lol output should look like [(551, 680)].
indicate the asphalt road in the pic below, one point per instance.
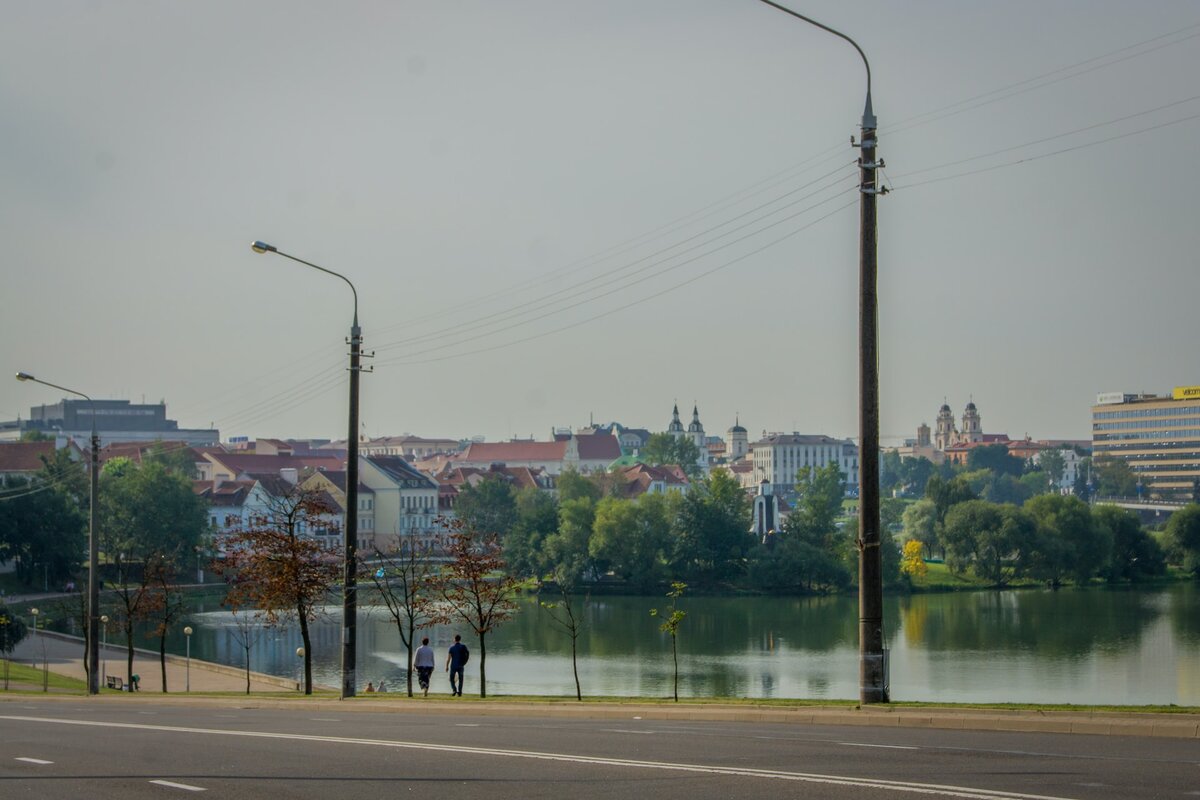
[(77, 749)]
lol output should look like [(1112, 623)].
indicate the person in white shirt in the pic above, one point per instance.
[(423, 661)]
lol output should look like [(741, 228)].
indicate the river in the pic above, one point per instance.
[(1122, 646)]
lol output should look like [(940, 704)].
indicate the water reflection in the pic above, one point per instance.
[(1071, 646)]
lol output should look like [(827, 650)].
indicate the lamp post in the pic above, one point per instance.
[(350, 559), (300, 669), (871, 667), (187, 686), (104, 650), (93, 601), (45, 675)]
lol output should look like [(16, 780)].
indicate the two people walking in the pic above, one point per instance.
[(456, 659)]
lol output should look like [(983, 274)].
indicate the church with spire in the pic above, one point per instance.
[(694, 432)]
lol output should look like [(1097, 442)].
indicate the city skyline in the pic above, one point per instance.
[(503, 187)]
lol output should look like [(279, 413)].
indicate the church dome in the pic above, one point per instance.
[(737, 429), (971, 406), (945, 408)]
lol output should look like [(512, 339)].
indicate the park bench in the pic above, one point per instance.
[(115, 682)]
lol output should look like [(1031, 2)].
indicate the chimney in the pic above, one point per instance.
[(289, 474)]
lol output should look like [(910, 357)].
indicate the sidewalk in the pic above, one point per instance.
[(64, 656)]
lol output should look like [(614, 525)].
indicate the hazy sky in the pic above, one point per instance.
[(553, 209)]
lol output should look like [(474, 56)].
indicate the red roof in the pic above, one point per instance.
[(240, 463), (24, 456), (498, 452), (599, 446)]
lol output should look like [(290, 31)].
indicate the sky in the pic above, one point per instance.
[(557, 211)]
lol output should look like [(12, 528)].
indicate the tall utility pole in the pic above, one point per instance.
[(350, 573), (350, 543), (872, 670)]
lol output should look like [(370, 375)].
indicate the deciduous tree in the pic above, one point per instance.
[(476, 588), (406, 582), (277, 570)]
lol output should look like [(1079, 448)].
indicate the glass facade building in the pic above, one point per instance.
[(1157, 435)]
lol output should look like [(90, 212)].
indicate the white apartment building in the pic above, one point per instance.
[(778, 457)]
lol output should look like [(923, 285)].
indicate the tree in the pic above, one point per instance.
[(475, 587), (1113, 477), (405, 581), (996, 458), (911, 562), (567, 550), (489, 506), (915, 474), (1070, 543), (819, 493), (663, 448), (1053, 464), (1134, 555), (565, 616), (247, 630), (891, 472), (631, 538), (1183, 537), (920, 523), (673, 617), (710, 525), (42, 530), (573, 486), (537, 519), (150, 519), (272, 567), (946, 494), (12, 632), (996, 541), (165, 608)]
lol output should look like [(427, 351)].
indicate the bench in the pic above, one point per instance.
[(115, 682)]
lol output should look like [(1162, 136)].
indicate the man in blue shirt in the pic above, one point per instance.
[(456, 659)]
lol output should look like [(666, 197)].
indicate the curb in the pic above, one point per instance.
[(1148, 725)]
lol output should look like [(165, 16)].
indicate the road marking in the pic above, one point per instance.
[(621, 730), (32, 760), (881, 746), (184, 786), (226, 716), (323, 719), (148, 713), (459, 750), (467, 724)]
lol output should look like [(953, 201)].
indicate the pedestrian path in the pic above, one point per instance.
[(63, 655)]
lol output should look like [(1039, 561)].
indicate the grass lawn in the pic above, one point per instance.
[(25, 677)]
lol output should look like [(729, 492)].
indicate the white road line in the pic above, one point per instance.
[(184, 786), (28, 760), (461, 750), (468, 724), (881, 746), (323, 719), (622, 730)]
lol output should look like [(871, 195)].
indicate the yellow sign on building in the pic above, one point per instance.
[(1186, 393)]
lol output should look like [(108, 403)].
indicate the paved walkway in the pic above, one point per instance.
[(64, 656)]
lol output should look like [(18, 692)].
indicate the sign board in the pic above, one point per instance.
[(379, 572), (1110, 398), (1186, 393)]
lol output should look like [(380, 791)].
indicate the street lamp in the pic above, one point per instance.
[(104, 656), (45, 673), (871, 667), (349, 575), (188, 670), (93, 601), (300, 669)]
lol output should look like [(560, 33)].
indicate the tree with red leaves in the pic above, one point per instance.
[(276, 570)]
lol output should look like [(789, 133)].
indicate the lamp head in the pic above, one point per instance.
[(25, 376), (34, 611), (187, 631), (300, 652), (262, 247), (104, 618)]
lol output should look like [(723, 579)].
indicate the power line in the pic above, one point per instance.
[(644, 299)]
